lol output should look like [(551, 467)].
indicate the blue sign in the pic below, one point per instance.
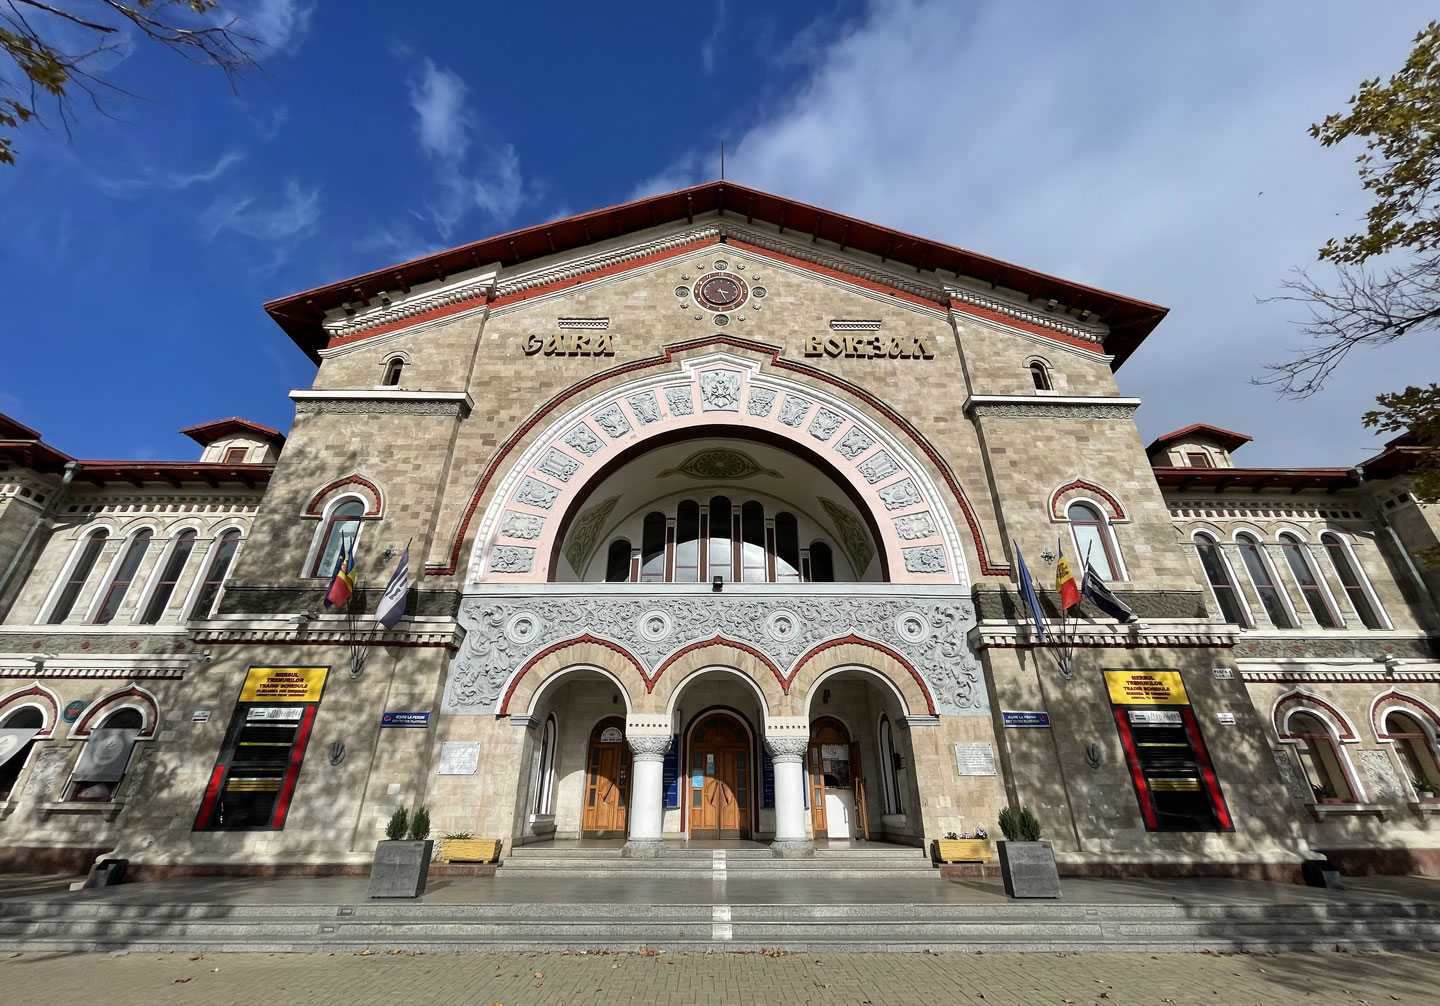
[(405, 719), (670, 774), (1025, 718), (698, 780)]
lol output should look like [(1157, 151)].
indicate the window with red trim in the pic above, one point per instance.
[(1170, 767)]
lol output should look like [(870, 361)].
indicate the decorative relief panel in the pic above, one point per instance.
[(1291, 780), (613, 422), (784, 627), (915, 525), (792, 413), (853, 534), (560, 466), (720, 391), (762, 400), (878, 468), (900, 495), (854, 444), (512, 559), (723, 464), (825, 423), (1384, 783), (924, 559), (645, 407), (535, 493), (583, 439), (585, 535), (679, 401), (521, 525)]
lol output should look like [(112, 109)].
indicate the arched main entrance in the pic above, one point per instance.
[(721, 780), (607, 781), (837, 787)]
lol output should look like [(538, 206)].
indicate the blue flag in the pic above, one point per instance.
[(1027, 591)]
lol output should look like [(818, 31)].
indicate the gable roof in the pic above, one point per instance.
[(206, 434), (302, 315), (1227, 439)]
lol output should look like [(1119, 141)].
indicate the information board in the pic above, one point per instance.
[(975, 759), (284, 684), (396, 719), (459, 757), (670, 773), (1025, 718)]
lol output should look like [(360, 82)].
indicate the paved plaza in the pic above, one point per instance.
[(700, 979)]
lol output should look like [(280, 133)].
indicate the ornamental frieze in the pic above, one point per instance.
[(502, 633)]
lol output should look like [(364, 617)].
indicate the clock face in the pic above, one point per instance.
[(720, 291)]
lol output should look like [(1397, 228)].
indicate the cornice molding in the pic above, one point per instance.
[(1102, 636), (355, 402), (471, 288), (1009, 308), (1049, 407)]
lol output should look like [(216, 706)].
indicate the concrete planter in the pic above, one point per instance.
[(961, 850), (400, 869), (1028, 869)]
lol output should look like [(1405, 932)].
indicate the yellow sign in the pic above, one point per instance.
[(1146, 688), (284, 684)]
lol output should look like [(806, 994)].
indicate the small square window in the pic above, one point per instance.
[(236, 455), (1199, 459)]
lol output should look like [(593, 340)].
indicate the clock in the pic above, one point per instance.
[(720, 291)]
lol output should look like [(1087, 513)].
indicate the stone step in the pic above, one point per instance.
[(685, 853)]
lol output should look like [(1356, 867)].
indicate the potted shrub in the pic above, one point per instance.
[(463, 847), (955, 848), (1424, 788), (1026, 863), (401, 865)]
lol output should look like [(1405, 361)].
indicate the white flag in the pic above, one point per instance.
[(392, 602)]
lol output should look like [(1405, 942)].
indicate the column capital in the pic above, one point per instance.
[(787, 749), (648, 747)]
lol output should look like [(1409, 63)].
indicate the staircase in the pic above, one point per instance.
[(877, 862)]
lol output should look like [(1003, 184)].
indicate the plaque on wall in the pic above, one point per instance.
[(975, 759), (459, 757)]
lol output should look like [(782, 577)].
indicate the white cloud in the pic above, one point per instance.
[(280, 25), (442, 121), (711, 46), (294, 216), (1117, 145), (151, 179)]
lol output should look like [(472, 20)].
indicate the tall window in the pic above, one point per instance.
[(687, 542), (1320, 757), (652, 548), (20, 727), (169, 576), (720, 538), (822, 563), (787, 549), (545, 771), (1352, 579), (1416, 751), (124, 576), (752, 533), (1297, 556), (1222, 582), (79, 573), (1092, 540), (889, 768), (392, 372), (617, 561), (221, 555), (341, 528), (1259, 569), (1039, 376), (105, 757)]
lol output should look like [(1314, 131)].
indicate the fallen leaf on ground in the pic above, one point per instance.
[(178, 981), (197, 957)]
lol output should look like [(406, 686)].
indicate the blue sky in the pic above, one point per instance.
[(1158, 150)]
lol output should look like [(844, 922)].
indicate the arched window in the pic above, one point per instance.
[(221, 555), (1352, 578), (752, 534), (687, 542), (1222, 581), (17, 740), (1297, 557), (392, 372), (341, 528), (124, 576), (1258, 566), (890, 768), (822, 563), (617, 561), (545, 772), (1320, 757), (175, 562), (652, 548), (787, 548), (106, 755), (1416, 749), (79, 573), (720, 538), (1092, 541), (1040, 376)]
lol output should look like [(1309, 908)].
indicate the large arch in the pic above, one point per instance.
[(894, 672), (520, 529)]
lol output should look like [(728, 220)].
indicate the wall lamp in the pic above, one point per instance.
[(717, 584)]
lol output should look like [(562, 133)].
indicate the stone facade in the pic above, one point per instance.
[(629, 466)]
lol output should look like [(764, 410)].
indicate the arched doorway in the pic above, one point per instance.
[(721, 781), (607, 781), (837, 789)]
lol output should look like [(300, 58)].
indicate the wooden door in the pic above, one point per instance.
[(720, 780), (862, 816), (607, 782), (828, 763)]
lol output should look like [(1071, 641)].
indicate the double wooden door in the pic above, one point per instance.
[(836, 786), (607, 782), (721, 780)]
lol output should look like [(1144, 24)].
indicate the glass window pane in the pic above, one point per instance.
[(720, 538), (1264, 585), (617, 562), (787, 548), (1350, 580), (1090, 546), (78, 575), (1217, 572), (1297, 557), (215, 574), (120, 584), (822, 563), (752, 530), (652, 548), (687, 542), (169, 576)]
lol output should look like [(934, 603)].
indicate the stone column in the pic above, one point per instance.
[(647, 794), (788, 756)]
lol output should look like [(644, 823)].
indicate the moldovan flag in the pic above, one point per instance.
[(342, 585), (392, 602), (1065, 583)]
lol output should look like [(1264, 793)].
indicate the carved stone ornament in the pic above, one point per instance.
[(720, 390), (645, 407), (521, 525), (1385, 785), (878, 468), (825, 423), (787, 749), (721, 465), (915, 525), (854, 535), (535, 493), (584, 440), (613, 422), (1053, 410), (648, 747), (560, 466), (900, 495), (924, 559), (512, 559), (854, 444), (679, 401), (792, 413), (488, 657), (762, 400), (1288, 776), (585, 534)]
